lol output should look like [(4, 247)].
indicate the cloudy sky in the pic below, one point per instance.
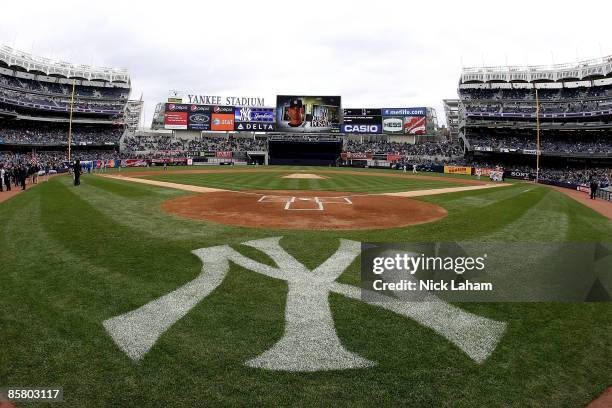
[(372, 53)]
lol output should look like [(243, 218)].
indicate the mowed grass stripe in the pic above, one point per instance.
[(274, 181)]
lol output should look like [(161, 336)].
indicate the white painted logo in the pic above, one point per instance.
[(310, 341)]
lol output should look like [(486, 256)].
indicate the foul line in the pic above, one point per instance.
[(434, 191), (177, 186)]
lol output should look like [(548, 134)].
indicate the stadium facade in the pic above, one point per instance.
[(39, 97), (502, 110)]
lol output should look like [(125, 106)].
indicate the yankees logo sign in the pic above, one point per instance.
[(310, 341)]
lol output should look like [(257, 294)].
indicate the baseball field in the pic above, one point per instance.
[(173, 288)]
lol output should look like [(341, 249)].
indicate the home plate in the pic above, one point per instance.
[(303, 176)]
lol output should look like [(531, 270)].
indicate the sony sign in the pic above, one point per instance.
[(227, 100)]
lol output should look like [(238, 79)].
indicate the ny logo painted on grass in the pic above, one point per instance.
[(310, 341)]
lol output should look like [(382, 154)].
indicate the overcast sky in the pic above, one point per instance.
[(373, 54)]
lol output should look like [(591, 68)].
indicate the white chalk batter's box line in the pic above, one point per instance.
[(318, 201)]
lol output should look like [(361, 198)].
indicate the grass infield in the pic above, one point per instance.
[(71, 258)]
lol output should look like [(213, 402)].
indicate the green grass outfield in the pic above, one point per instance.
[(71, 258)]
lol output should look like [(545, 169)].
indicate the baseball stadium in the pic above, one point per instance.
[(222, 254)]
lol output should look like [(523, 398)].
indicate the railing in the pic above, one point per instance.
[(604, 194)]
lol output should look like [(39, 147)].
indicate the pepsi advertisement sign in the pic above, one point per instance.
[(177, 107), (404, 111)]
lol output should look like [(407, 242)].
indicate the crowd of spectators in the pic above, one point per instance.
[(58, 103), (57, 133), (545, 94), (210, 144), (572, 175), (530, 108), (31, 85), (56, 96), (445, 149), (554, 144), (559, 101)]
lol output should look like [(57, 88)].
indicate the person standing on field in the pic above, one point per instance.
[(594, 185), (414, 168), (77, 173)]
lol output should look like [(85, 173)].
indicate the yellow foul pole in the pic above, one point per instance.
[(70, 120), (537, 135)]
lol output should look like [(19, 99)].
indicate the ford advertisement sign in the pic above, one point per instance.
[(198, 121)]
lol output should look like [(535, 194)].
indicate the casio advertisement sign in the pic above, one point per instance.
[(364, 128), (393, 125)]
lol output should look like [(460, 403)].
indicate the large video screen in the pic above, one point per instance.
[(308, 113)]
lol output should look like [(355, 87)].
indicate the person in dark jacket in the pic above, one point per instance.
[(77, 173), (23, 175), (594, 185), (7, 178)]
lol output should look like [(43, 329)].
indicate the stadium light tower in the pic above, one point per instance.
[(537, 136), (70, 120)]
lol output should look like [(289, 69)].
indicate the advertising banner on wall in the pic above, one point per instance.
[(224, 155), (404, 111), (404, 125), (355, 155), (199, 117), (175, 120), (254, 119), (308, 113), (404, 121), (222, 121), (457, 170), (364, 120)]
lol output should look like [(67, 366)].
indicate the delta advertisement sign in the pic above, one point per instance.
[(253, 119)]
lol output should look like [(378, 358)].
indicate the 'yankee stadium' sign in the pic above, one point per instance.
[(227, 100)]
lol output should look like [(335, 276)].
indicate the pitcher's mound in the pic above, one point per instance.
[(303, 176), (306, 210)]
